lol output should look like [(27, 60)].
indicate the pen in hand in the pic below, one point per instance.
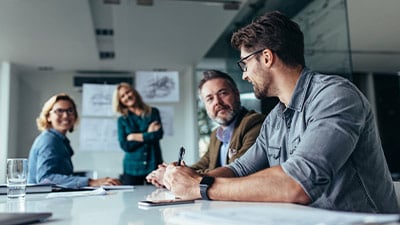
[(181, 154)]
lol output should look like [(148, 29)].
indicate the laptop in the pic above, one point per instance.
[(11, 218)]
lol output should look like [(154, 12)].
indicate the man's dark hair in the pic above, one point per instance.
[(276, 32), (214, 74)]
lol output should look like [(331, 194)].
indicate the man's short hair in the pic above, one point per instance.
[(274, 31), (214, 74)]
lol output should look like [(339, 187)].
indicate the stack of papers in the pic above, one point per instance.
[(88, 191), (114, 187), (278, 214), (58, 188), (98, 191)]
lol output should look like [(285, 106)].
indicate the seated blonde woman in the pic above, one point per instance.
[(50, 154)]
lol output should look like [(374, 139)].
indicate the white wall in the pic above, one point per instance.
[(36, 88)]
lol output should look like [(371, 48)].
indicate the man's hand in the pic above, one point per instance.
[(107, 181), (157, 176), (182, 181)]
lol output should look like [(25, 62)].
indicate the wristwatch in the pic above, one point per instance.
[(205, 183)]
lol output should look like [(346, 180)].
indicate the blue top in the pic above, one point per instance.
[(140, 157), (224, 135), (326, 140), (50, 161)]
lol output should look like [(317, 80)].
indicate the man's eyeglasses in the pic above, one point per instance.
[(242, 64), (60, 112)]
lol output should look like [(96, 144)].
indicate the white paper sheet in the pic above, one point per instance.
[(158, 86), (97, 99), (167, 119), (98, 134), (98, 191), (112, 187)]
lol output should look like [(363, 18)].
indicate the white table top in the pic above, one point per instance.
[(121, 207), (117, 207)]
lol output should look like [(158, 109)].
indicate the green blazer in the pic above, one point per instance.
[(245, 133)]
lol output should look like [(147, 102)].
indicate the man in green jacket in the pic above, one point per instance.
[(238, 128)]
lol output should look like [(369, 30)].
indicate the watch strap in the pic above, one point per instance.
[(205, 184)]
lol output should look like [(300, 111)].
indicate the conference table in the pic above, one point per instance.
[(116, 207), (121, 207)]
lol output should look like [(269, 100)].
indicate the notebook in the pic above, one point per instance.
[(30, 188), (10, 218)]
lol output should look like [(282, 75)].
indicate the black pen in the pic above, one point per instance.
[(181, 154)]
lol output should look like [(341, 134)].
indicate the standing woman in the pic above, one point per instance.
[(139, 134), (50, 154)]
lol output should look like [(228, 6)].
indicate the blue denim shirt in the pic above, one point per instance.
[(326, 140), (50, 161)]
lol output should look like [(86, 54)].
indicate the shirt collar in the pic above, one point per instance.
[(59, 134), (63, 138), (224, 134), (299, 94)]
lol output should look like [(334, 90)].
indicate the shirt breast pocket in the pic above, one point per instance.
[(274, 155), (294, 145)]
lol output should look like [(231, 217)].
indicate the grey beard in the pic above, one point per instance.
[(228, 120)]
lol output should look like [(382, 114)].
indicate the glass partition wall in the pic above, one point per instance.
[(327, 49)]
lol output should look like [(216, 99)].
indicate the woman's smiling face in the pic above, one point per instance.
[(62, 116)]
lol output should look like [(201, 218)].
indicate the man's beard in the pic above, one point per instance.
[(260, 93), (229, 118)]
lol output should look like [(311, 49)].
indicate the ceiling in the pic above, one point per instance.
[(61, 33), (374, 35), (170, 34)]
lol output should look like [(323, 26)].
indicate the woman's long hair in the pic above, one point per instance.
[(139, 103)]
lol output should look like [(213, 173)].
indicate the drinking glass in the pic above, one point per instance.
[(17, 173)]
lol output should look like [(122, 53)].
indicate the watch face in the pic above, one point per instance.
[(207, 181)]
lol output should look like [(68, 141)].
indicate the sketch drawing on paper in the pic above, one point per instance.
[(97, 99), (101, 99), (159, 86), (167, 119), (155, 86), (100, 134)]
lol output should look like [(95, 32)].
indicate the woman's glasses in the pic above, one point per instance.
[(60, 112)]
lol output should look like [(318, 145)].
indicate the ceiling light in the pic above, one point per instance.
[(45, 68), (116, 2), (231, 5), (104, 55), (144, 2), (228, 5)]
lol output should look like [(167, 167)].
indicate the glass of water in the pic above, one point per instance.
[(17, 174)]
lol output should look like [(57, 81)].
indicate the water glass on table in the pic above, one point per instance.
[(17, 174)]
